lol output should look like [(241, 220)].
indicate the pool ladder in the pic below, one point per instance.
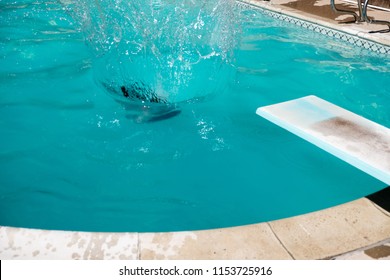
[(366, 19), (358, 18), (362, 16)]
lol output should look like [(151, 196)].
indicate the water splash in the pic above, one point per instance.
[(164, 51)]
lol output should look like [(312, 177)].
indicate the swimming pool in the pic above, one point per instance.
[(72, 159)]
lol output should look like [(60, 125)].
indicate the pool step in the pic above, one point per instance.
[(350, 137)]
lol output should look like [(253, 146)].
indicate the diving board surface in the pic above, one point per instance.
[(348, 136)]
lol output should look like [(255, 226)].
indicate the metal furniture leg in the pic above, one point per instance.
[(366, 19), (358, 18)]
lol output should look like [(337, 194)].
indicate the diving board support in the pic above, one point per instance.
[(346, 135)]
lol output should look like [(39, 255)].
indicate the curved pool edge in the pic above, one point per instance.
[(340, 232)]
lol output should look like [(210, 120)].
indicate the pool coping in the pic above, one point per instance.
[(341, 232), (355, 34)]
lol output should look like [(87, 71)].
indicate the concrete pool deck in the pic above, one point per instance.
[(320, 12), (356, 230)]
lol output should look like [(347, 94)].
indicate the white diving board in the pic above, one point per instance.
[(350, 137)]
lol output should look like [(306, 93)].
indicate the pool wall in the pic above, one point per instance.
[(346, 231)]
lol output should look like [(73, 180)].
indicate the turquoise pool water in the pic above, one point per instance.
[(71, 158)]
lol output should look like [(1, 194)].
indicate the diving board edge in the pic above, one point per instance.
[(280, 113)]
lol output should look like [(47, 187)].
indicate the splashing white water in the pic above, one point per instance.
[(177, 49)]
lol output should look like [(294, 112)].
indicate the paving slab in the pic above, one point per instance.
[(333, 231), (237, 243), (28, 244), (379, 251)]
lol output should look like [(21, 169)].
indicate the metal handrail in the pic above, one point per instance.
[(368, 20), (358, 18)]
